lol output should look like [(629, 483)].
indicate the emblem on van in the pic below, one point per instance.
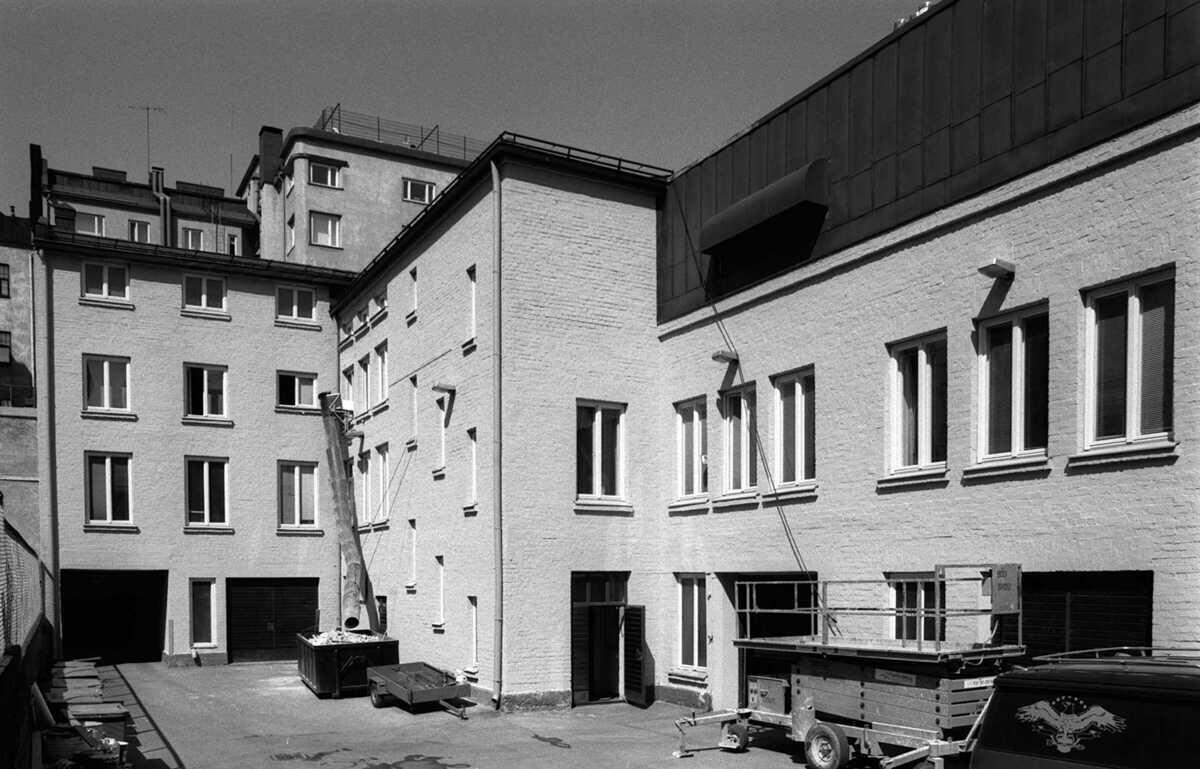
[(1068, 721)]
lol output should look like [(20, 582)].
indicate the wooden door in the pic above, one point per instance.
[(580, 669), (639, 677)]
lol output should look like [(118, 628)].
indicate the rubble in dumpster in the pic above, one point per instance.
[(330, 637)]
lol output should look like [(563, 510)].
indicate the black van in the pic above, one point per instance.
[(1131, 708)]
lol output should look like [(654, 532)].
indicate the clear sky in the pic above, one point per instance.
[(658, 81)]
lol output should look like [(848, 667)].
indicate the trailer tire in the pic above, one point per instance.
[(735, 736), (379, 699), (826, 747)]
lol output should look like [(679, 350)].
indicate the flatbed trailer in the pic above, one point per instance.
[(415, 683), (900, 702)]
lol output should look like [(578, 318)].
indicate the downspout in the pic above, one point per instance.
[(49, 430), (497, 445)]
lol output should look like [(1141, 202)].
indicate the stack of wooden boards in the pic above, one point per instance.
[(80, 727)]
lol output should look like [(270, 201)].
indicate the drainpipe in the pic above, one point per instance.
[(497, 445), (48, 448)]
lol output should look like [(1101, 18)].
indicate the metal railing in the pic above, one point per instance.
[(430, 139)]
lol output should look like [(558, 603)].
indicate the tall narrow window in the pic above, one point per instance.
[(383, 481), (471, 299), (5, 286), (139, 231), (1131, 355), (348, 389), (366, 510), (381, 373), (105, 383), (691, 421), (741, 432), (473, 605), (441, 578), (202, 612), (291, 230), (412, 276), (412, 553), (362, 382), (5, 347), (599, 450), (795, 428), (205, 386), (413, 397), (297, 494), (693, 622), (108, 488), (473, 456), (193, 238), (919, 391), (231, 244), (206, 491), (443, 424), (1014, 384)]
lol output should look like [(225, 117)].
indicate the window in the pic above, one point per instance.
[(296, 389), (206, 501), (139, 231), (108, 488), (5, 347), (413, 394), (107, 281), (362, 381), (599, 449), (691, 423), (360, 318), (5, 287), (205, 391), (289, 182), (412, 551), (795, 428), (916, 604), (193, 238), (412, 278), (471, 297), (297, 494), (324, 229), (693, 630), (1130, 361), (291, 230), (1014, 385), (441, 577), (202, 612), (443, 423), (231, 244), (324, 175), (473, 606), (201, 293), (89, 224), (741, 433), (105, 383), (473, 457), (295, 303), (366, 512), (348, 388), (383, 480), (418, 192), (381, 373), (919, 404)]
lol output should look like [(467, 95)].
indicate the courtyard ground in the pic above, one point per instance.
[(261, 715)]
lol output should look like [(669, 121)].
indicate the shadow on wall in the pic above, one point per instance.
[(16, 385)]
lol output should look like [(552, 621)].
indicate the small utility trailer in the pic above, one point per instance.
[(414, 683), (912, 691)]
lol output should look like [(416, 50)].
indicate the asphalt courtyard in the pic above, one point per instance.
[(261, 715)]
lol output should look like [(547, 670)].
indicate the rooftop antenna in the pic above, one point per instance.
[(147, 108)]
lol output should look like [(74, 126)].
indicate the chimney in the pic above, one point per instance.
[(156, 179), (270, 145), (164, 205)]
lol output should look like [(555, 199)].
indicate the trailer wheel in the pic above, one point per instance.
[(826, 747), (379, 699), (734, 736)]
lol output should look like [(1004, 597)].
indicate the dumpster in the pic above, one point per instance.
[(335, 664)]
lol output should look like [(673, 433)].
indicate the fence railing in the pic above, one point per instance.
[(432, 139)]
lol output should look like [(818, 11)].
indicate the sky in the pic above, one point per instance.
[(663, 82)]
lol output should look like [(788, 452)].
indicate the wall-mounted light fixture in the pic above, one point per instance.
[(725, 356), (999, 269)]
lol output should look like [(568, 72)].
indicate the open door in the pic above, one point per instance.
[(639, 675), (580, 669)]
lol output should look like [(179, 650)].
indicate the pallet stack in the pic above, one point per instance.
[(81, 728)]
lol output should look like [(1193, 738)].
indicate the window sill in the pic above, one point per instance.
[(439, 473), (411, 317), (345, 342), (114, 416), (470, 509), (1161, 450), (377, 317), (326, 245), (298, 323), (296, 531), (787, 492), (202, 529), (361, 331), (735, 500), (204, 646), (686, 675), (207, 421), (688, 506), (468, 346), (203, 314), (472, 670), (1006, 467), (371, 526), (903, 479), (603, 507), (438, 627), (311, 410), (378, 407), (112, 528), (112, 304), (410, 444)]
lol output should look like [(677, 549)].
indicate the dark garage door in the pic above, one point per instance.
[(264, 616), (119, 616), (1072, 610)]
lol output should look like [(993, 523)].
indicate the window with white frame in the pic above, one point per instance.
[(362, 383), (412, 282), (366, 493), (206, 498), (324, 229), (741, 437), (917, 605), (297, 494), (795, 427), (105, 383), (89, 224), (471, 299), (413, 397), (1130, 361), (139, 231), (205, 390), (412, 552), (473, 607), (202, 613), (382, 482), (473, 457), (691, 426), (443, 423), (295, 389), (203, 293), (416, 191), (291, 231), (324, 174), (106, 281), (295, 303), (693, 621), (1014, 384), (193, 238), (918, 392), (348, 390), (599, 450), (381, 373), (108, 488), (232, 242), (440, 561)]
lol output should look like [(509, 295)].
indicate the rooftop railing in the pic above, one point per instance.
[(424, 138)]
